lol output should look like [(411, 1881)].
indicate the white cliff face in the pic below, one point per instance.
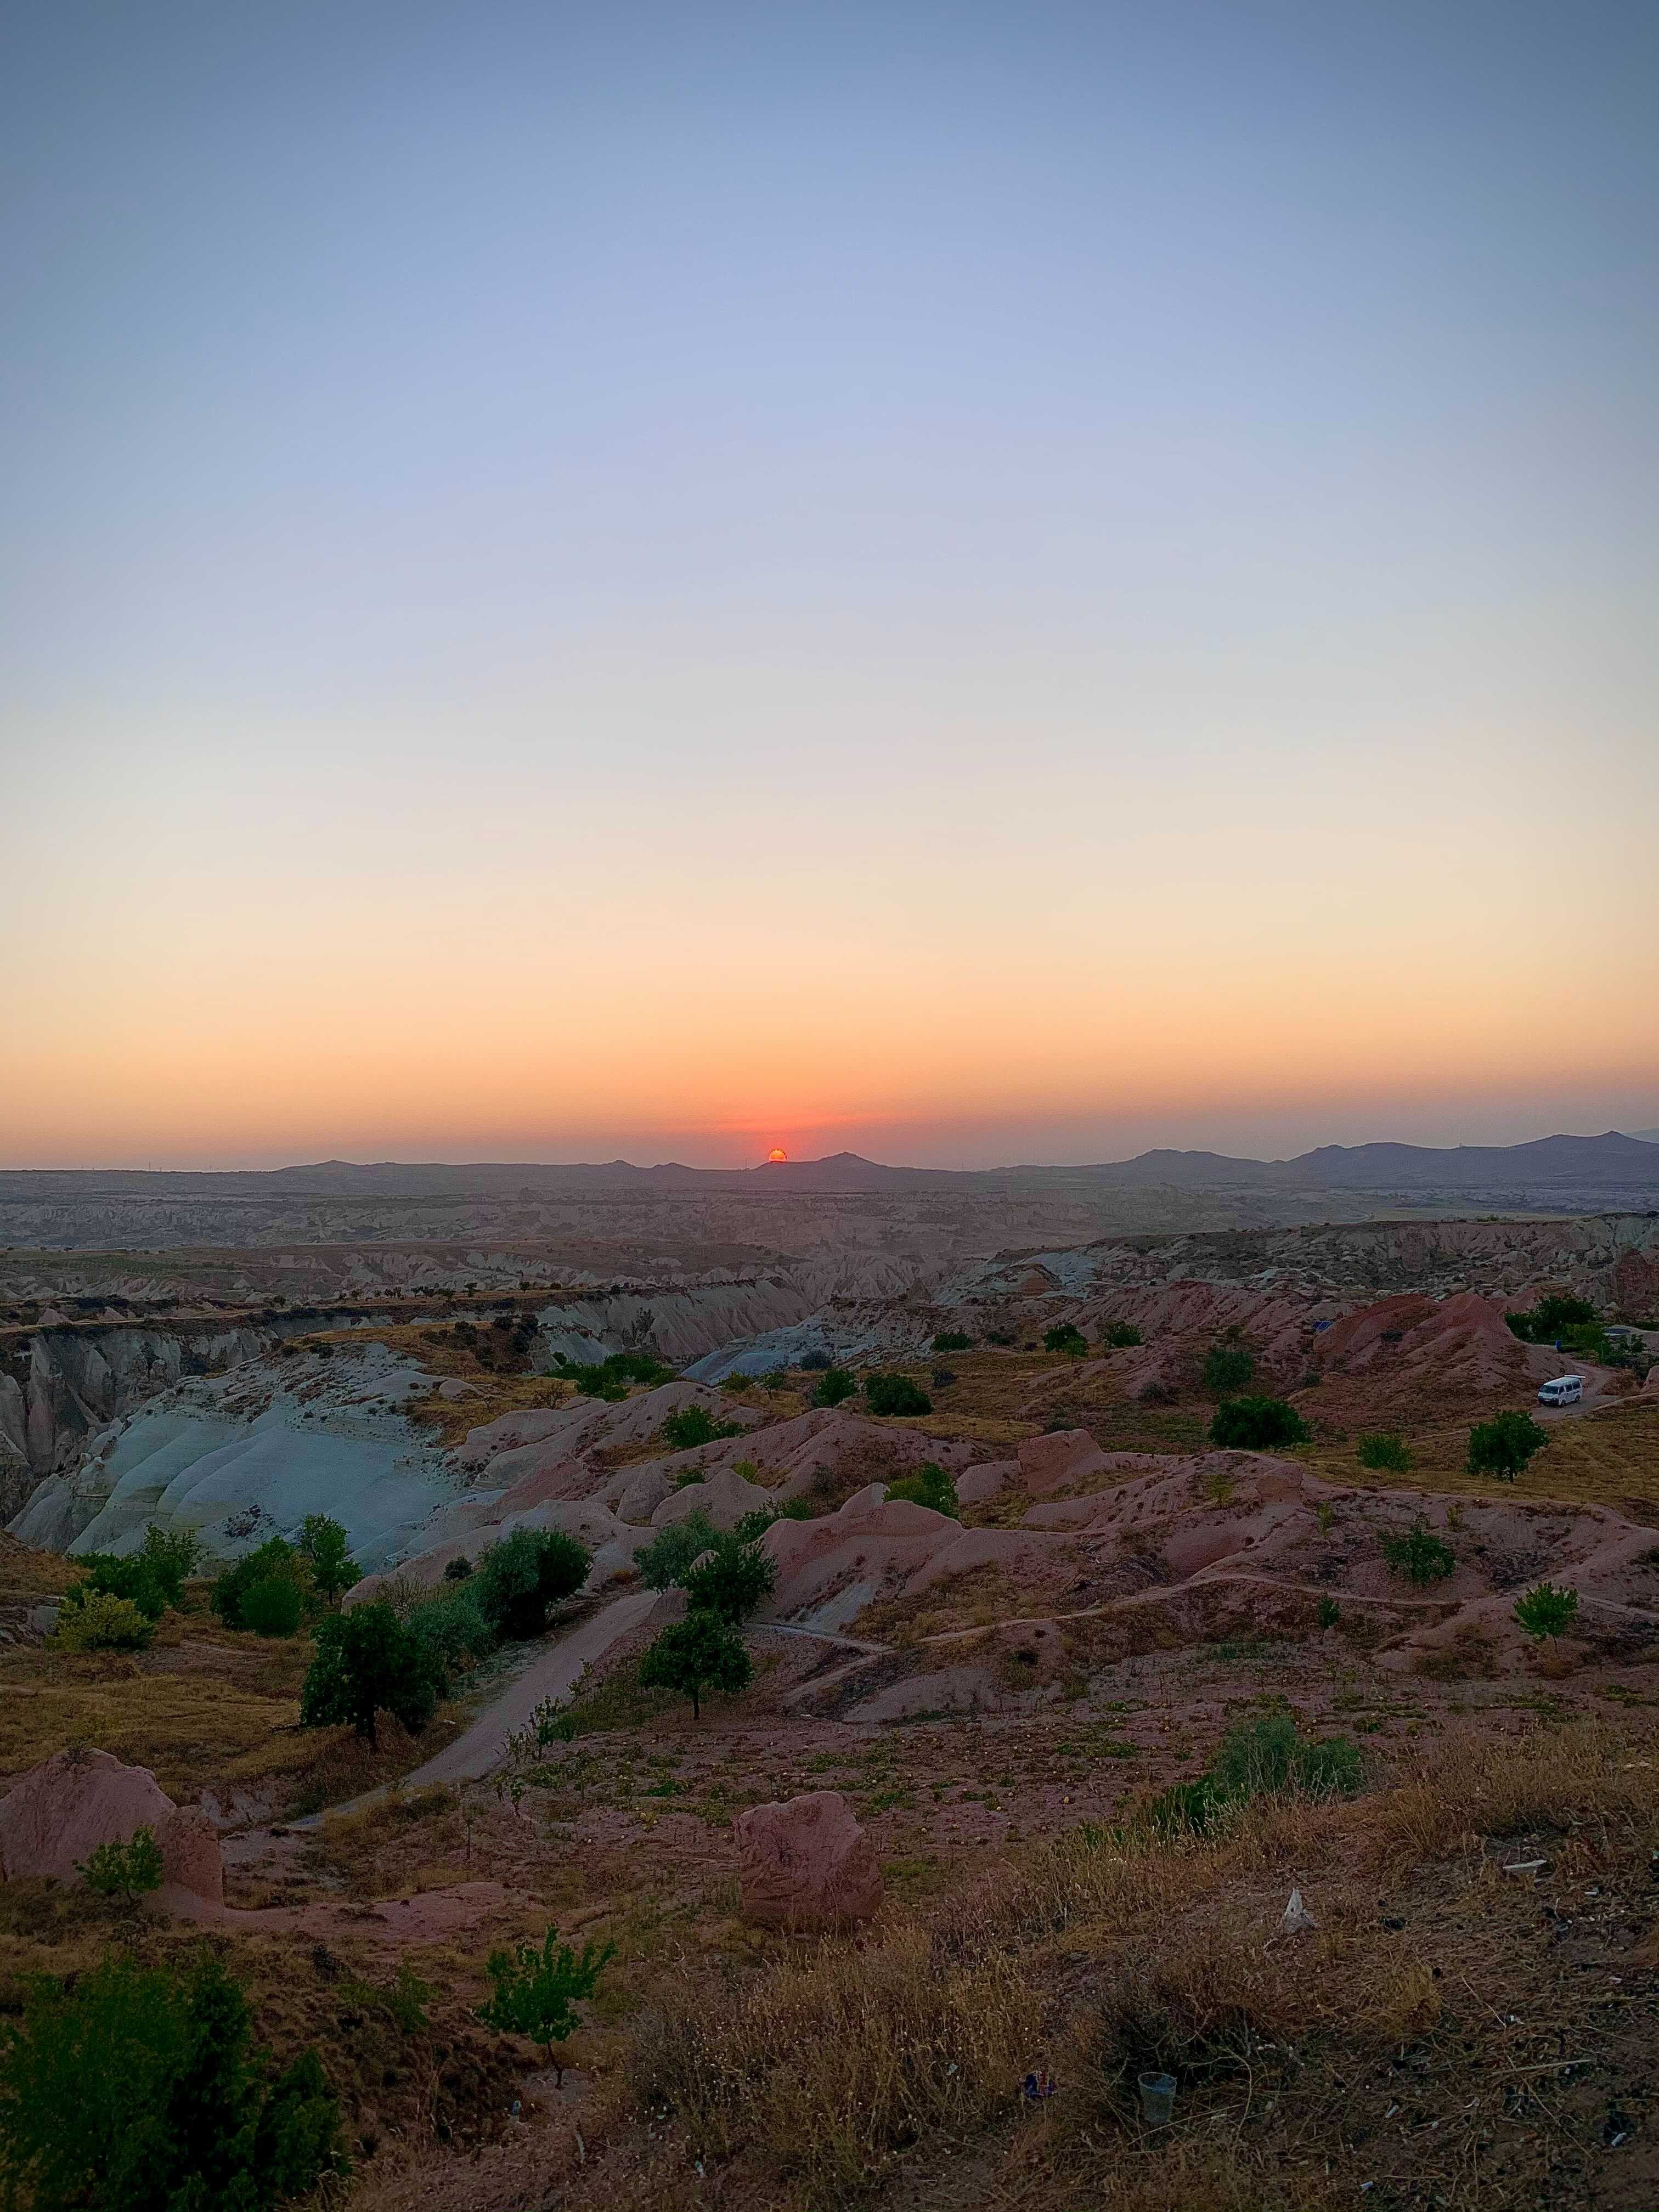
[(243, 1456)]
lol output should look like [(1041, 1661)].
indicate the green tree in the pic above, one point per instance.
[(1503, 1445), (519, 1578), (128, 1870), (1118, 1335), (174, 1555), (700, 1653), (834, 1386), (1547, 1609), (1066, 1336), (1256, 1425), (665, 1562), (90, 1619), (323, 1541), (1382, 1448), (131, 1576), (276, 1560), (1421, 1555), (1552, 1317), (929, 1485), (367, 1663), (1227, 1367), (536, 1992), (896, 1396), (952, 1340), (273, 1608), (449, 1629), (732, 1583), (140, 2090), (688, 1426)]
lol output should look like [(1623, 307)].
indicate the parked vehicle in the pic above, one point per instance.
[(1565, 1390)]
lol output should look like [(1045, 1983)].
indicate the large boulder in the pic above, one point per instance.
[(808, 1863), (53, 1820)]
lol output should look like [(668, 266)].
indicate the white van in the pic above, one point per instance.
[(1565, 1391)]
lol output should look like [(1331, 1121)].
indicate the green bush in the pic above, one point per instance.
[(1503, 1445), (1421, 1555), (952, 1340), (835, 1386), (609, 1378), (690, 1425), (131, 1577), (457, 1570), (140, 2090), (896, 1396), (536, 1991), (1256, 1425), (1382, 1448), (1265, 1757), (367, 1663), (1329, 1612), (272, 1608), (1550, 1318), (739, 1578), (1119, 1335), (1064, 1336), (450, 1631), (173, 1556), (273, 1561), (92, 1621), (1227, 1368), (1547, 1609), (929, 1485), (664, 1562), (322, 1543), (519, 1578), (128, 1870), (701, 1652)]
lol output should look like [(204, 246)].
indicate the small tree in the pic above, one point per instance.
[(323, 1541), (691, 1426), (519, 1578), (1421, 1555), (276, 1560), (835, 1386), (1118, 1335), (665, 1562), (128, 1870), (1227, 1368), (131, 1576), (700, 1653), (1384, 1449), (929, 1485), (732, 1583), (367, 1663), (1547, 1609), (92, 1621), (174, 1555), (1066, 1336), (273, 1608), (896, 1396), (536, 1992), (1256, 1425), (1503, 1445), (952, 1340)]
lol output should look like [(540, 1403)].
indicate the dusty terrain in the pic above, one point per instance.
[(999, 1697)]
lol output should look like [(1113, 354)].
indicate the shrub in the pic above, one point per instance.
[(173, 1556), (1547, 1609), (272, 1608), (1256, 1425), (1064, 1336), (536, 1991), (815, 1362), (519, 1578), (1384, 1449), (366, 1663), (896, 1395), (458, 1570), (739, 1578), (323, 1542), (943, 1377), (450, 1631), (1503, 1445), (663, 1563), (699, 1653), (834, 1386), (1329, 1612), (929, 1485), (140, 2089), (1227, 1368), (129, 1870), (1118, 1335), (1552, 1317), (132, 1577), (1420, 1555), (609, 1378), (952, 1340), (737, 1383), (1262, 1758), (93, 1621), (273, 1561), (689, 1425), (775, 1378)]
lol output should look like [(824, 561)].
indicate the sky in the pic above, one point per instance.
[(975, 582)]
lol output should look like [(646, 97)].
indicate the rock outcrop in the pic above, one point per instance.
[(53, 1820), (808, 1863)]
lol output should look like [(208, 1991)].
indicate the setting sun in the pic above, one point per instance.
[(775, 1156)]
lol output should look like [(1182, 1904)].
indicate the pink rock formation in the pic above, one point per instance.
[(57, 1816), (1049, 1463), (808, 1863)]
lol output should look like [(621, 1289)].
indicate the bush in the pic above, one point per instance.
[(1118, 1335), (665, 1562), (929, 1485), (737, 1383), (173, 1556), (699, 1653), (1503, 1445), (272, 1608), (835, 1385), (1385, 1449), (739, 1578), (896, 1395), (609, 1378), (1546, 1609), (536, 1991), (132, 1577), (273, 1561), (450, 1633), (1420, 1555), (1261, 1758), (140, 2090), (1064, 1336), (1227, 1368), (1256, 1425), (815, 1362), (322, 1543), (92, 1621), (367, 1663), (458, 1570), (952, 1340), (519, 1578), (690, 1425), (129, 1870), (1552, 1317)]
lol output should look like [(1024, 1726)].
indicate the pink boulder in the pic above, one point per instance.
[(57, 1816), (808, 1863), (1049, 1463)]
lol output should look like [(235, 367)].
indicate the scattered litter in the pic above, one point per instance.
[(1158, 2092), (1036, 2085), (1526, 1866), (1296, 1916)]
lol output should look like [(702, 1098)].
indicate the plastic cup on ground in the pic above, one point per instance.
[(1158, 2098)]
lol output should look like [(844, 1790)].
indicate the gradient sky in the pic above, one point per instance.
[(974, 581)]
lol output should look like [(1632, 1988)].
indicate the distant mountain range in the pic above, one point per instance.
[(1561, 1166)]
